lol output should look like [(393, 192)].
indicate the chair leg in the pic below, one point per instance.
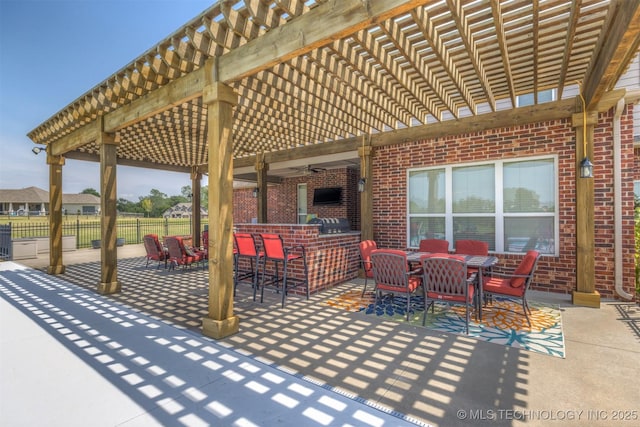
[(524, 308), (467, 317), (255, 277), (365, 285), (408, 305), (306, 275), (284, 281)]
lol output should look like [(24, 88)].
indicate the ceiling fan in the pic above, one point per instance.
[(309, 169)]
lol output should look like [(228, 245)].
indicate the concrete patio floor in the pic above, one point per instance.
[(362, 363)]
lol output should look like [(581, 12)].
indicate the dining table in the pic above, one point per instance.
[(481, 262)]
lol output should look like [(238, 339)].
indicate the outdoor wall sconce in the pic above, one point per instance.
[(361, 184), (255, 192), (37, 150), (586, 167)]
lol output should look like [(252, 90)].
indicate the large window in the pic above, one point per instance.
[(511, 205)]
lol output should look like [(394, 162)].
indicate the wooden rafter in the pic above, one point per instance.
[(432, 36), (466, 37), (502, 43)]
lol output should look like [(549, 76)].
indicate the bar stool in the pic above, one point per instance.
[(274, 250), (246, 249)]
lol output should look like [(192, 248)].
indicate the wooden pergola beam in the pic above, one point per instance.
[(316, 28), (523, 115), (619, 42)]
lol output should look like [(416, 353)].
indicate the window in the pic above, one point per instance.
[(511, 204), (543, 96)]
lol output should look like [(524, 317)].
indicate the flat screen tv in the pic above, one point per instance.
[(327, 196)]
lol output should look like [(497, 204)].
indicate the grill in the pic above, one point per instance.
[(332, 225)]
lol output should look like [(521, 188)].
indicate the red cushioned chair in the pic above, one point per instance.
[(439, 246), (154, 250), (514, 284), (247, 250), (180, 254), (391, 274), (446, 279), (472, 247), (366, 246), (275, 251)]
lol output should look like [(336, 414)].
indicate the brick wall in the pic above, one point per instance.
[(555, 274), (282, 199)]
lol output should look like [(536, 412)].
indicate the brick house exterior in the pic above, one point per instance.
[(390, 164)]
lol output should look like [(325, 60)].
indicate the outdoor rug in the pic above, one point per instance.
[(502, 320)]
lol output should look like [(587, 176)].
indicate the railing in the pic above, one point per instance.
[(86, 231)]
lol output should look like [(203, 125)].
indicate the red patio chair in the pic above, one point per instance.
[(391, 274), (154, 250), (274, 250), (472, 247), (439, 246), (446, 279), (366, 246), (180, 254), (514, 284)]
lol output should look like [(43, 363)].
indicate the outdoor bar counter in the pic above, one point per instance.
[(332, 258)]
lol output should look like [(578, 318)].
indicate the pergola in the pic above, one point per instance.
[(249, 83)]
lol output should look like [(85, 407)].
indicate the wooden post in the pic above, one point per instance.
[(220, 100), (585, 293), (195, 206), (55, 214), (261, 171), (366, 197), (109, 283)]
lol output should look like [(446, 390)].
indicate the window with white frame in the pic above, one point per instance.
[(510, 204), (543, 96)]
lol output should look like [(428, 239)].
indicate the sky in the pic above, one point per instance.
[(51, 53)]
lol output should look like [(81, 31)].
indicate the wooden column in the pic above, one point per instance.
[(261, 172), (55, 214), (366, 197), (585, 293), (109, 283), (196, 178), (220, 100)]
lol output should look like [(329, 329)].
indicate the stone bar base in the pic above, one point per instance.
[(218, 329), (109, 288), (56, 269), (586, 299)]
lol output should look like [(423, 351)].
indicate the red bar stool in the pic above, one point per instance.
[(274, 250), (245, 248)]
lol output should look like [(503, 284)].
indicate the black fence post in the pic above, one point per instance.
[(77, 234), (137, 230)]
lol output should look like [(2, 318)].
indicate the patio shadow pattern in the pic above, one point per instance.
[(426, 375)]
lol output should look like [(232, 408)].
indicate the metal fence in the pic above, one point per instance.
[(5, 242), (88, 232)]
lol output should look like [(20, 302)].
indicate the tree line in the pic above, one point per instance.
[(156, 202)]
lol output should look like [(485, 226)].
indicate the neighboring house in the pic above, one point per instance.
[(35, 201), (182, 210)]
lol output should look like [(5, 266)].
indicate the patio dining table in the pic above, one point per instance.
[(481, 262)]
